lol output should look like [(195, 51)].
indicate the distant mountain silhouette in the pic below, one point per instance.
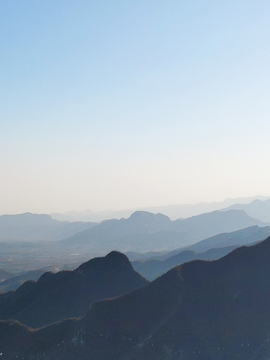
[(144, 231), (4, 275), (216, 310), (208, 249), (216, 222), (173, 211), (15, 281), (151, 269), (37, 227), (258, 209), (70, 293), (245, 236), (141, 231)]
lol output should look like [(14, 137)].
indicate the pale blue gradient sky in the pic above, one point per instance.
[(125, 104)]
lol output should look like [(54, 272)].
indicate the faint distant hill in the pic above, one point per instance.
[(208, 249), (141, 231), (88, 215), (151, 269), (37, 227), (144, 231), (189, 210), (173, 211), (258, 209), (199, 310), (13, 282), (70, 293), (216, 222), (245, 236), (4, 275)]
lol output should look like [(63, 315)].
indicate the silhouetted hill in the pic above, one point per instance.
[(216, 310), (37, 227), (144, 231), (70, 293)]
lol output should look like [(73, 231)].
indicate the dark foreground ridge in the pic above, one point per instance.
[(217, 310), (67, 294)]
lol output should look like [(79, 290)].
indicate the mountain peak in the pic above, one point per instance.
[(70, 293), (114, 260), (117, 259), (147, 215), (116, 256)]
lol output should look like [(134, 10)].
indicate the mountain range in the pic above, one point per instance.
[(258, 209), (151, 269), (173, 211), (212, 248), (199, 310), (15, 281), (21, 248), (144, 231), (33, 227), (56, 296)]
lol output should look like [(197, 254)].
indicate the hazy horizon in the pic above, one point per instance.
[(227, 202), (112, 105)]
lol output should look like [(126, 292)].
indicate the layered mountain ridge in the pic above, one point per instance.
[(32, 227), (146, 231), (212, 248), (201, 309), (57, 296)]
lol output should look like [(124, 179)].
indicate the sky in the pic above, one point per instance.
[(129, 104)]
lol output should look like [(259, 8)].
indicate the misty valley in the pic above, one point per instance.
[(141, 287)]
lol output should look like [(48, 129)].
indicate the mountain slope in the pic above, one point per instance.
[(144, 231), (258, 209), (216, 222), (201, 310), (245, 236), (70, 293), (29, 226), (208, 249), (13, 282), (4, 275), (151, 269)]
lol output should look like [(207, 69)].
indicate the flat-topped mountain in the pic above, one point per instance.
[(30, 227), (70, 293), (199, 310), (144, 231)]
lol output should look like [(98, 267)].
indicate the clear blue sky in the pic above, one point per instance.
[(124, 104)]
